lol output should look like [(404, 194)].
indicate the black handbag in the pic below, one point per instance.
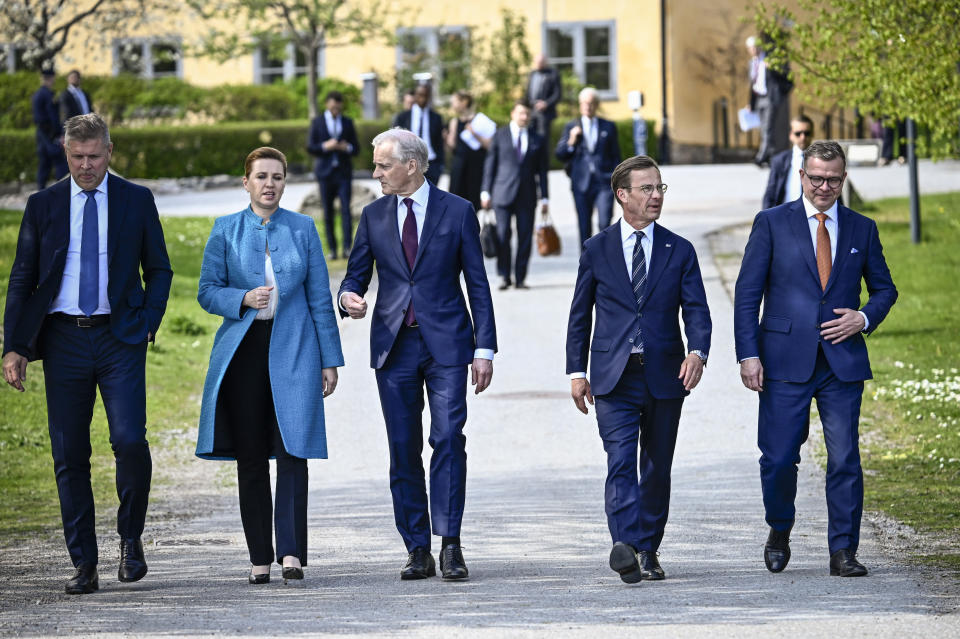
[(489, 241)]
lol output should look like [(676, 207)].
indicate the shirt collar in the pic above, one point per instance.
[(811, 210), (626, 231), (515, 129), (421, 196), (75, 188)]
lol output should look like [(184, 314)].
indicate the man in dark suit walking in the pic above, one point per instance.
[(544, 90), (637, 277), (73, 99), (76, 301), (421, 241), (333, 141), (783, 183), (804, 262), (768, 91), (590, 147), (515, 169), (427, 125), (49, 135)]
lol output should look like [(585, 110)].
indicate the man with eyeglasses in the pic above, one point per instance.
[(637, 277), (783, 184), (805, 261)]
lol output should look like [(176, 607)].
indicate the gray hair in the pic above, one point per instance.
[(406, 146), (588, 93), (85, 127), (825, 150)]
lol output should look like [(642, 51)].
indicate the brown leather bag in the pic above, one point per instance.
[(548, 242)]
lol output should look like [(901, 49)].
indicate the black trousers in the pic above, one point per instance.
[(524, 215), (332, 188), (256, 437)]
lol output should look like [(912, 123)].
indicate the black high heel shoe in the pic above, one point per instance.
[(262, 578), (292, 572)]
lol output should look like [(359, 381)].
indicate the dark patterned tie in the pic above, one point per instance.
[(519, 146), (89, 296), (410, 245), (639, 279)]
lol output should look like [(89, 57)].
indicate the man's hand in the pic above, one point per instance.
[(331, 144), (751, 373), (355, 305), (540, 105), (257, 298), (15, 369), (545, 209), (580, 390), (691, 370), (849, 323), (575, 134), (481, 373), (329, 377), (484, 203)]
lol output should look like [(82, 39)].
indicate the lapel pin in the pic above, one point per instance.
[(668, 245), (853, 250)]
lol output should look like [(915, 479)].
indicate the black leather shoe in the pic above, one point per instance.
[(649, 566), (623, 559), (292, 572), (843, 563), (452, 565), (420, 565), (257, 579), (521, 286), (504, 285), (776, 552), (84, 581), (132, 564)]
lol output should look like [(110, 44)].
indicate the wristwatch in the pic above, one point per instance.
[(701, 355)]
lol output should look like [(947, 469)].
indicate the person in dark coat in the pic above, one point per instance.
[(49, 135), (544, 90), (73, 99), (466, 163), (783, 183)]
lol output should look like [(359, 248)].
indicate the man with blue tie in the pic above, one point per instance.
[(804, 262), (421, 240), (514, 171), (76, 301), (591, 149), (333, 141), (640, 370), (427, 125)]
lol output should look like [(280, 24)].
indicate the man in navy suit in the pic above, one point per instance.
[(428, 126), (783, 184), (49, 135), (515, 169), (73, 99), (333, 141), (637, 277), (805, 261), (76, 301), (421, 241), (590, 147)]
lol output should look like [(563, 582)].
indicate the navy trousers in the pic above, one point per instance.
[(256, 437), (784, 423), (597, 194), (637, 430), (524, 216), (76, 361), (330, 189), (400, 381)]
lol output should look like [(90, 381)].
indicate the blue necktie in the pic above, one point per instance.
[(639, 278), (89, 298)]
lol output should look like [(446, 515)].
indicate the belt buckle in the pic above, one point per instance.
[(84, 322)]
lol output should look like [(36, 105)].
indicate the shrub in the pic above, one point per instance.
[(248, 102)]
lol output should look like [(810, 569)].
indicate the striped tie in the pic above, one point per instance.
[(639, 279)]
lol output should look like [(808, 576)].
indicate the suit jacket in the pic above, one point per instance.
[(515, 183), (778, 86), (45, 116), (134, 241), (70, 106), (402, 120), (604, 159), (674, 287), (323, 166), (449, 245), (779, 268), (550, 91), (305, 338), (777, 181)]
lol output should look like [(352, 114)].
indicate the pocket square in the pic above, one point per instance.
[(668, 245), (853, 250)]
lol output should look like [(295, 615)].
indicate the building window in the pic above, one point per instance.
[(585, 49), (13, 58), (268, 67), (148, 58), (444, 52)]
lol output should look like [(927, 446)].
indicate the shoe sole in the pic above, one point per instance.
[(83, 591), (414, 576), (128, 580), (854, 573), (624, 561)]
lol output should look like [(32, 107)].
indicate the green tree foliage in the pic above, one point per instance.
[(501, 65), (896, 58)]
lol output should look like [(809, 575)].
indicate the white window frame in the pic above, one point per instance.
[(290, 68), (10, 52), (580, 58), (146, 55)]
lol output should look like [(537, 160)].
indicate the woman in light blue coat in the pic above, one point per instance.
[(274, 359)]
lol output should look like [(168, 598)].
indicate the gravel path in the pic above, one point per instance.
[(534, 534)]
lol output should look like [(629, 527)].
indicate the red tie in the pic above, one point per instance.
[(410, 244)]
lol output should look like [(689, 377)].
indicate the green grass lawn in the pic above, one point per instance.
[(176, 364)]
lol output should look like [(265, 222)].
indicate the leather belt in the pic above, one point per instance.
[(82, 321), (636, 359)]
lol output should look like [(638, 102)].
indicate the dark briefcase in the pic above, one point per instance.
[(489, 241)]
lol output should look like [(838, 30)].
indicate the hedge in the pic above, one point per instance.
[(187, 151)]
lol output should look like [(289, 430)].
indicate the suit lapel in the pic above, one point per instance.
[(844, 242), (797, 217), (60, 217), (663, 243), (392, 229), (117, 195), (613, 252), (435, 209)]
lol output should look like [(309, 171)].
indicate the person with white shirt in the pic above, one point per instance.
[(783, 183), (74, 100), (513, 173), (804, 263), (421, 240), (636, 279)]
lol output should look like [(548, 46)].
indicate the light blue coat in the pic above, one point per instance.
[(304, 339)]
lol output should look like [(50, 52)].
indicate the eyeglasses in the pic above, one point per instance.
[(818, 180), (647, 188), (802, 133)]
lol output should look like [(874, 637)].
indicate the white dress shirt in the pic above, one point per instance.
[(68, 299), (793, 188), (590, 133), (335, 127), (269, 279), (421, 117)]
